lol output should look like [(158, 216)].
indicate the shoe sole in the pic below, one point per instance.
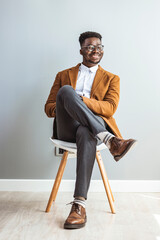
[(131, 145), (74, 226)]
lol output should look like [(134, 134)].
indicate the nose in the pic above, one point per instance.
[(95, 50)]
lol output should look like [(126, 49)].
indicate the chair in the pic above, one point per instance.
[(71, 148)]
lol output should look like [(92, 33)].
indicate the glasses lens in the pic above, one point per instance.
[(100, 47), (90, 48)]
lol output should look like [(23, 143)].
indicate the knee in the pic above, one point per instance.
[(64, 91)]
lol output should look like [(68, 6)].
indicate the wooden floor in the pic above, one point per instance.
[(23, 217)]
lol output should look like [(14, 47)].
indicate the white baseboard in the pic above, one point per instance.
[(32, 185)]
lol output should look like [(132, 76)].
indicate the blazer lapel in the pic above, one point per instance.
[(73, 75), (97, 79)]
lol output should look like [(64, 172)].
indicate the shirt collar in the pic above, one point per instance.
[(91, 69)]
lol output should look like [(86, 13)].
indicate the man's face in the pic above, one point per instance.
[(91, 58)]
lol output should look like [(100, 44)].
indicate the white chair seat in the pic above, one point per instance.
[(72, 147)]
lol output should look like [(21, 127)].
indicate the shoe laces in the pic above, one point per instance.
[(75, 207), (70, 203), (116, 142)]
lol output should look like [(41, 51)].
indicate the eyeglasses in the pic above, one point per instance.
[(91, 48)]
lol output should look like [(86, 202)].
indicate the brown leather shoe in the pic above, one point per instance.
[(77, 217), (119, 147)]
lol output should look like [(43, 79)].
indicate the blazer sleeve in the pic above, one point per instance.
[(50, 105), (108, 106)]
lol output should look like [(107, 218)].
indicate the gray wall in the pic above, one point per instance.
[(40, 38)]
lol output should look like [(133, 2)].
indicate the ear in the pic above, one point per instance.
[(81, 51)]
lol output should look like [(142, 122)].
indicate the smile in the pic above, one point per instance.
[(95, 56)]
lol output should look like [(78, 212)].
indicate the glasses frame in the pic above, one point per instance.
[(95, 47)]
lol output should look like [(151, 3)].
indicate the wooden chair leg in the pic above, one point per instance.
[(57, 181), (101, 162), (105, 181)]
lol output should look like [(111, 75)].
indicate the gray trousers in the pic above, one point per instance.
[(77, 123)]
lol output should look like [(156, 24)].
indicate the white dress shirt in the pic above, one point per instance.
[(85, 80)]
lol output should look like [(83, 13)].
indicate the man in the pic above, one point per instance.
[(83, 100)]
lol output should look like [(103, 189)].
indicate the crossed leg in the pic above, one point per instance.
[(77, 123)]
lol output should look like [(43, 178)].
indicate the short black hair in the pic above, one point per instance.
[(88, 34)]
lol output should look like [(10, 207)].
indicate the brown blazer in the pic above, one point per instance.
[(104, 96)]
